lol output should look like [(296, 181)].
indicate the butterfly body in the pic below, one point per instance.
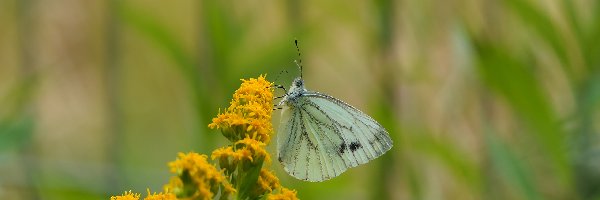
[(320, 136)]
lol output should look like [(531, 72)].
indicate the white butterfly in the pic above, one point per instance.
[(320, 137)]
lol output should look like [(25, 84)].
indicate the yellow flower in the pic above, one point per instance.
[(160, 196), (249, 113), (246, 151), (256, 149), (285, 194), (193, 169), (128, 195), (267, 182), (175, 186)]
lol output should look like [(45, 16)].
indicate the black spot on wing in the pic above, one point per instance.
[(342, 148), (355, 146)]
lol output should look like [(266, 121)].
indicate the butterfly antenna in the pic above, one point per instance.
[(299, 61)]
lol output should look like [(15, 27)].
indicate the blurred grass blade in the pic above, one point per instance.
[(453, 158), (589, 96), (592, 41), (543, 26), (17, 121), (221, 34), (509, 167), (159, 34), (586, 151), (16, 132), (515, 81), (144, 23)]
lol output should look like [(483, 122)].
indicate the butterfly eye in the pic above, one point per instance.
[(298, 82)]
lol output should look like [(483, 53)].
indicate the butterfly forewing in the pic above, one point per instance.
[(301, 151), (320, 137)]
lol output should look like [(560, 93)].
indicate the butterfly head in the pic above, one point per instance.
[(295, 91), (297, 85)]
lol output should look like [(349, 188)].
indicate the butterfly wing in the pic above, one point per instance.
[(320, 137)]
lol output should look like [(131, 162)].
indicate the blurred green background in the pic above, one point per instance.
[(483, 99)]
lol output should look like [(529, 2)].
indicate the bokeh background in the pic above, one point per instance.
[(483, 99)]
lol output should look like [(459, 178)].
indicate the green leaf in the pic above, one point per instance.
[(248, 177)]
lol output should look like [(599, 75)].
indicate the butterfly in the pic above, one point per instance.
[(320, 137)]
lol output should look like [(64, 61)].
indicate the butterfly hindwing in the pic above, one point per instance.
[(324, 136)]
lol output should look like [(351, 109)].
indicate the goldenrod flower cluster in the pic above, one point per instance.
[(267, 182), (242, 174), (196, 178), (249, 113), (247, 123)]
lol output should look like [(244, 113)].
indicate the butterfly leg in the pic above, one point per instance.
[(280, 87), (277, 108), (279, 97)]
